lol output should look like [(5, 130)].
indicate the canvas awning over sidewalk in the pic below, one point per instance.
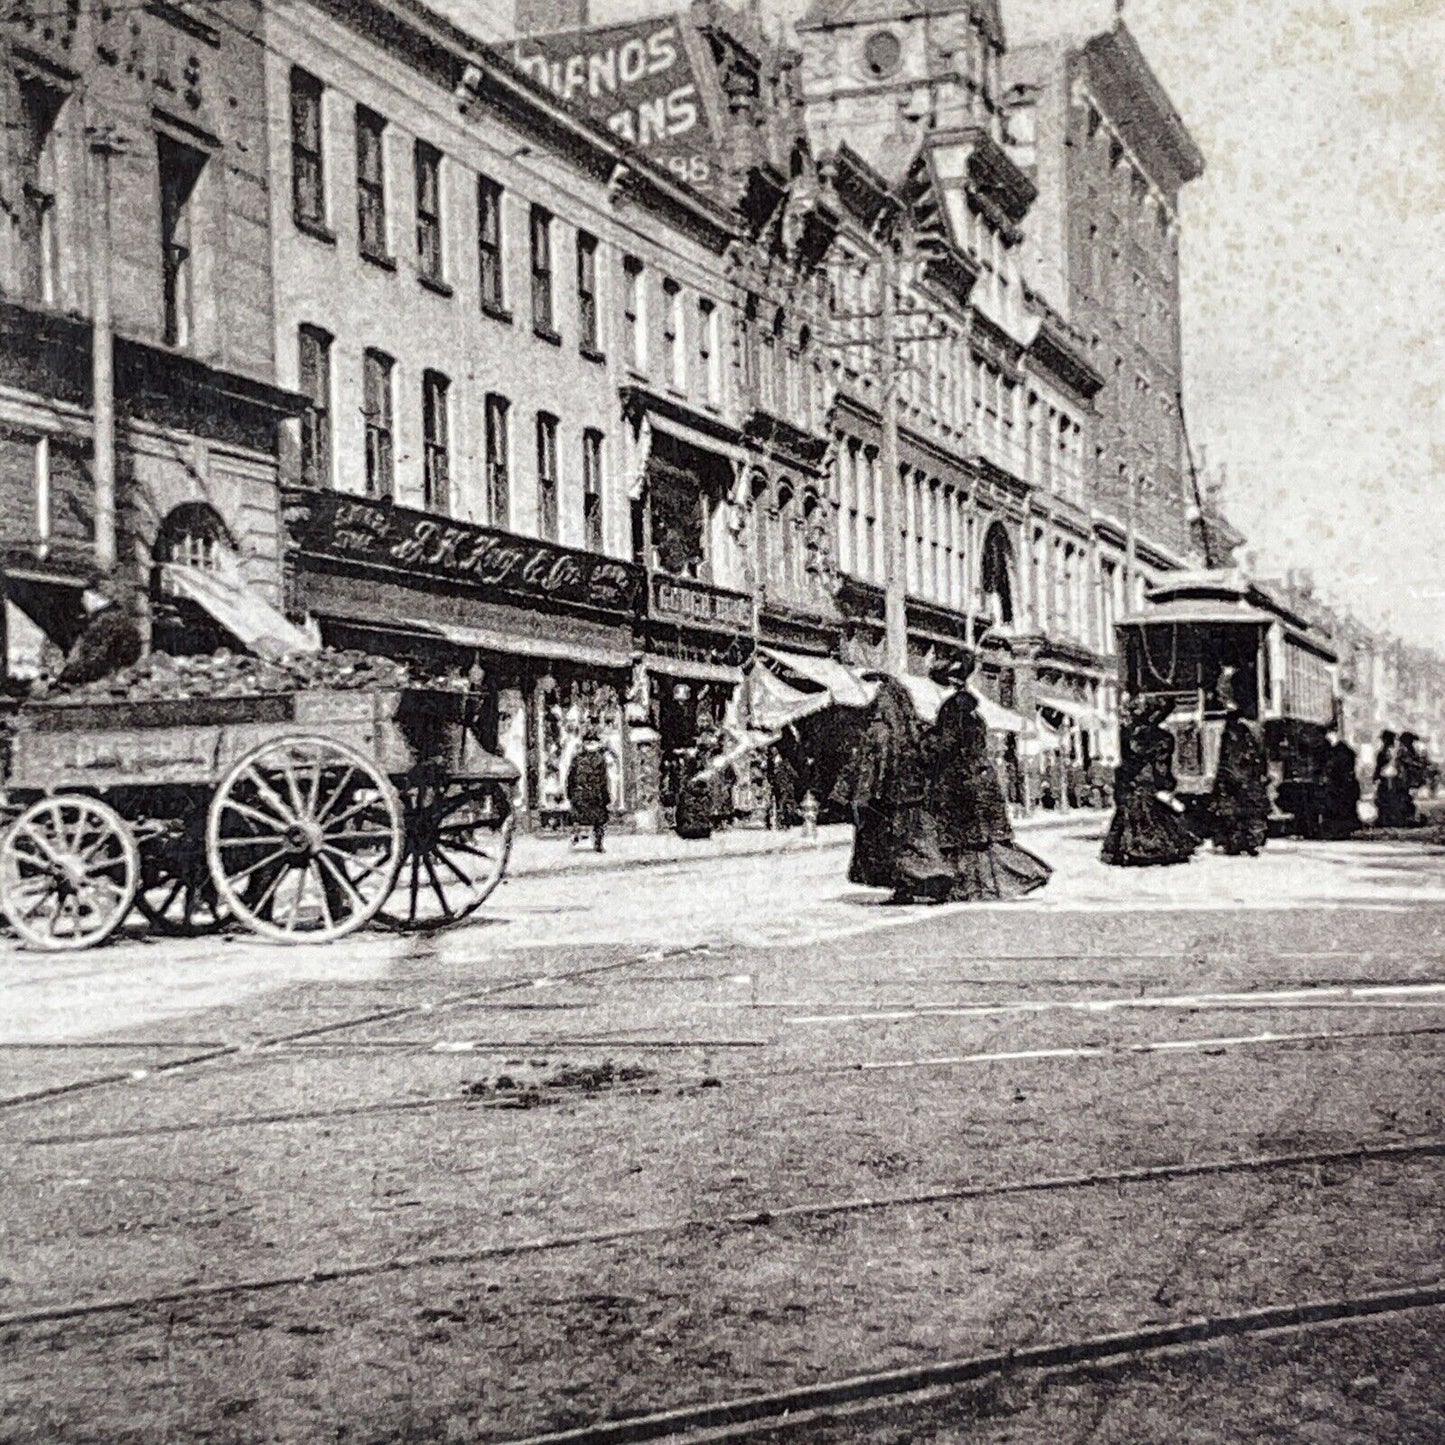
[(243, 612)]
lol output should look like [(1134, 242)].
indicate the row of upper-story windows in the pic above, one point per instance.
[(379, 388), (692, 355)]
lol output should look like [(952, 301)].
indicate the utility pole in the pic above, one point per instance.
[(103, 144), (895, 606)]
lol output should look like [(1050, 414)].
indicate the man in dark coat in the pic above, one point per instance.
[(966, 797), (782, 789), (885, 783), (1342, 789), (1239, 802), (588, 789), (110, 643)]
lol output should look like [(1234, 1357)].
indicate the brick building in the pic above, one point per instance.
[(132, 163)]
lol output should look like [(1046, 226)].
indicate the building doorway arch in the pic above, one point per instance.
[(191, 535)]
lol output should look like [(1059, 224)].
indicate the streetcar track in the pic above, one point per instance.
[(263, 1046), (806, 1407), (658, 1083), (759, 1217)]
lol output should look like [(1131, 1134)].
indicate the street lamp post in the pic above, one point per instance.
[(895, 606)]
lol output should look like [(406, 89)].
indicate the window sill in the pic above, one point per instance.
[(497, 313), (375, 258), (544, 333), (677, 392), (317, 230), (591, 353), (633, 374), (435, 285)]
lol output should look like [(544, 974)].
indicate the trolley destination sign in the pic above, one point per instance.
[(367, 531)]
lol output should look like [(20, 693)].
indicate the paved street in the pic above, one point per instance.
[(671, 1127)]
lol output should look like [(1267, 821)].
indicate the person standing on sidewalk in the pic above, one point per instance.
[(588, 789)]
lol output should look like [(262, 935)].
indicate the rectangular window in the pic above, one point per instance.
[(489, 245), (542, 322), (39, 110), (546, 476), (308, 182), (371, 184), (587, 335), (498, 445), (672, 333), (634, 312), (376, 406), (180, 170), (592, 490), (315, 386), (436, 450), (707, 357), (429, 211)]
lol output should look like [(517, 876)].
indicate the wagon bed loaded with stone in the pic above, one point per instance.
[(299, 799)]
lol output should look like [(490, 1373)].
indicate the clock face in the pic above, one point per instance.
[(882, 54)]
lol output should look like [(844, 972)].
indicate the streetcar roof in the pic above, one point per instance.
[(1208, 610)]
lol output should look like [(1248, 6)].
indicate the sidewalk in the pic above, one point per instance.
[(534, 853)]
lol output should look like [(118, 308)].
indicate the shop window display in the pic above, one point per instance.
[(564, 708)]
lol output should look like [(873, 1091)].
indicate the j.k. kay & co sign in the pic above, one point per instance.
[(357, 529)]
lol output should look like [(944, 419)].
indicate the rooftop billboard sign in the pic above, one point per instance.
[(640, 81)]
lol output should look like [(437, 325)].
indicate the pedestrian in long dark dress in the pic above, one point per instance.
[(588, 789), (974, 831), (1392, 796), (1147, 830), (885, 783), (1342, 789), (1239, 802)]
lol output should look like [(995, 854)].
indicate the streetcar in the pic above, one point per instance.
[(1284, 677)]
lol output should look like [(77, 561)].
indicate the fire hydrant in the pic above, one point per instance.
[(809, 810)]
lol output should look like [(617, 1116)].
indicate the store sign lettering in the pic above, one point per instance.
[(370, 532), (701, 606), (637, 78)]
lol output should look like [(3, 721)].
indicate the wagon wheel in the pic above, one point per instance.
[(458, 839), (68, 873), (303, 839), (177, 894)]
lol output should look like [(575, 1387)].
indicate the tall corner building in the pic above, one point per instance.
[(1090, 122)]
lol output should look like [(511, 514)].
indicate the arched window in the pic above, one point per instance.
[(998, 565), (787, 557), (192, 535)]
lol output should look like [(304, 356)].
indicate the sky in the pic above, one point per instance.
[(1313, 275)]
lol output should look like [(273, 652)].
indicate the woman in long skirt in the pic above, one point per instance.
[(967, 799), (885, 782), (1147, 830), (1239, 802), (1342, 789)]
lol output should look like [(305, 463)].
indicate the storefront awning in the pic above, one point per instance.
[(1079, 712), (698, 671), (245, 614), (487, 639), (776, 705), (843, 687)]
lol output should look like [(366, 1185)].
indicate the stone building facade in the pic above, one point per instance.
[(133, 163)]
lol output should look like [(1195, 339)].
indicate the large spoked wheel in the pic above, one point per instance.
[(458, 839), (303, 840), (68, 873)]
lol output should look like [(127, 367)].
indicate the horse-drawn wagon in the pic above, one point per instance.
[(298, 815)]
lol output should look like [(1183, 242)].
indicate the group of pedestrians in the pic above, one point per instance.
[(930, 822), (1401, 767)]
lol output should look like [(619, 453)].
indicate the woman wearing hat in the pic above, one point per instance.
[(1239, 801), (885, 783), (967, 800), (1146, 830)]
